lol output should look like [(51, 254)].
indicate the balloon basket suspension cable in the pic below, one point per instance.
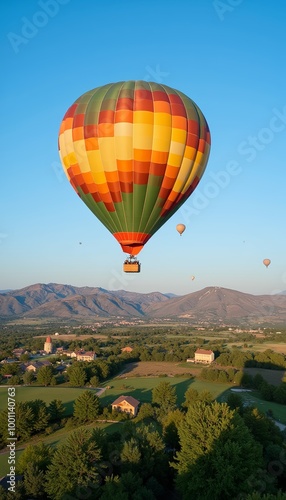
[(131, 265)]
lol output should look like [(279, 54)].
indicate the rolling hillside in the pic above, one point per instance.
[(211, 305)]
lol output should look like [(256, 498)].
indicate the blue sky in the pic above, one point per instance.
[(229, 57)]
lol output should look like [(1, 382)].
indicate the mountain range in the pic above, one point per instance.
[(211, 305)]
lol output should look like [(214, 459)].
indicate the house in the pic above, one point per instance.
[(126, 404), (70, 354), (36, 365), (127, 349), (85, 356), (204, 356), (19, 351)]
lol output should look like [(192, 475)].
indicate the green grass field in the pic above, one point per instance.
[(252, 398), (66, 394), (141, 388)]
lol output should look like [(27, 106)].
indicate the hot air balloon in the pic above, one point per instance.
[(180, 228), (193, 277), (266, 262), (134, 152)]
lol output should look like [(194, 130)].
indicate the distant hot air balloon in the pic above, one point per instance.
[(180, 228), (193, 277), (134, 152), (266, 262)]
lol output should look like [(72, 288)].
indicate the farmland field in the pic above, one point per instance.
[(279, 347), (157, 368)]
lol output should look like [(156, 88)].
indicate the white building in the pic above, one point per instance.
[(204, 356)]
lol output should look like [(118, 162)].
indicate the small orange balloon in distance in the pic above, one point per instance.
[(180, 228), (266, 262), (193, 277)]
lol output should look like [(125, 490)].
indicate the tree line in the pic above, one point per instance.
[(201, 449)]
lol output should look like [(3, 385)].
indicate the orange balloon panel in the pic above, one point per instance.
[(134, 152)]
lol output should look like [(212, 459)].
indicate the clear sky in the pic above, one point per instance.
[(229, 57)]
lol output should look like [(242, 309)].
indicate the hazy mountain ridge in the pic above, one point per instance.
[(212, 304)]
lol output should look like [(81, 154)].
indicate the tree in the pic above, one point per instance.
[(77, 375), (24, 357), (192, 396), (74, 466), (56, 410), (237, 379), (127, 486), (34, 481), (235, 401), (45, 375), (164, 395), (94, 381), (222, 376), (146, 410), (263, 429), (40, 414), (131, 454), (104, 368), (86, 407), (28, 377), (24, 420), (142, 452), (39, 455), (279, 394), (170, 428), (218, 453), (266, 391)]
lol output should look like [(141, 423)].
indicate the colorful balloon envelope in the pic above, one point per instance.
[(180, 228), (267, 262), (134, 152)]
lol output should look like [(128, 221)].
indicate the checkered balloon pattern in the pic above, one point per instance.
[(134, 152)]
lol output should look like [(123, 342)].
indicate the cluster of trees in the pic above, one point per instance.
[(203, 449), (267, 359), (270, 392), (238, 377), (31, 418), (80, 373)]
